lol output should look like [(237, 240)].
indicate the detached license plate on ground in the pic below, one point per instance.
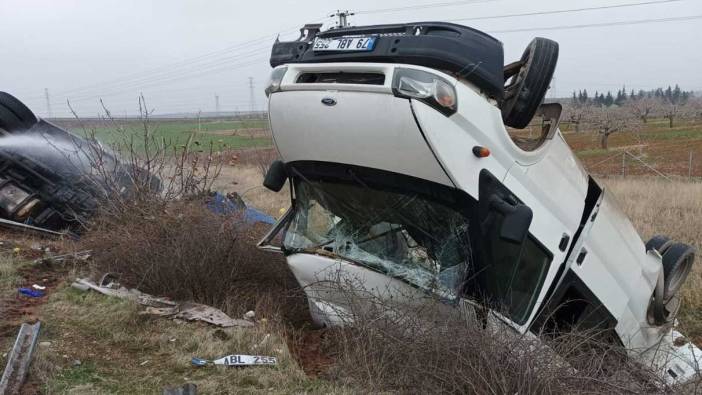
[(344, 44)]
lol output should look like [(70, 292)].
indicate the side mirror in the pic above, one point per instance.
[(517, 218), (276, 176)]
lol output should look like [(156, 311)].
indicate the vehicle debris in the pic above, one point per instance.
[(187, 311), (190, 311), (78, 256), (19, 359), (14, 225), (32, 293), (236, 360), (435, 196), (232, 203), (48, 176), (185, 389)]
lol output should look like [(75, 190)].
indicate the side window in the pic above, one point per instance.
[(508, 274), (511, 276)]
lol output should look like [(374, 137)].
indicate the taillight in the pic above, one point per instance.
[(425, 87)]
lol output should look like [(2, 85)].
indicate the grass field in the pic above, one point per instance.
[(666, 149), (221, 134)]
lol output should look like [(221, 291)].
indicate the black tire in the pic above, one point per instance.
[(677, 264), (528, 84), (659, 243), (14, 115)]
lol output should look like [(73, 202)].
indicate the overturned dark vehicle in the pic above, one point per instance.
[(51, 178)]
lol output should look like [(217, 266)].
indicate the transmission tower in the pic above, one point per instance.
[(252, 98), (217, 104), (343, 18), (48, 103)]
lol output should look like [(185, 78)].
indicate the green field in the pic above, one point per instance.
[(222, 135)]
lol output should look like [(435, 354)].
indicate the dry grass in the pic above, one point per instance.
[(123, 352), (189, 253), (674, 209), (424, 346)]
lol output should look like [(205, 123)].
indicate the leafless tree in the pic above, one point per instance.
[(576, 114), (671, 112), (609, 120), (642, 108)]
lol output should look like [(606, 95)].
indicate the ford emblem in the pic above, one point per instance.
[(329, 101)]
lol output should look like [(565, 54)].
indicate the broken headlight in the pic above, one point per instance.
[(275, 80), (425, 87)]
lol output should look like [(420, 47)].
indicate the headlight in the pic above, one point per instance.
[(275, 80), (425, 87)]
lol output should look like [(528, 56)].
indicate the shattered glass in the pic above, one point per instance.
[(403, 235)]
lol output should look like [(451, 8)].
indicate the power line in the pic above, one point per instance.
[(176, 77), (167, 68), (589, 25), (422, 6), (165, 74), (477, 18)]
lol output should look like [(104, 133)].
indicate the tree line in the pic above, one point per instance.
[(671, 94), (608, 113)]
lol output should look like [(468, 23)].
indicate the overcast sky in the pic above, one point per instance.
[(181, 53)]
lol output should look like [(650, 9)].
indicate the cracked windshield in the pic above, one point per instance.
[(404, 236)]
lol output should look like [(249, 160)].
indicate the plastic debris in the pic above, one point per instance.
[(236, 360), (77, 256), (39, 287), (250, 315), (199, 312), (32, 293), (188, 311), (232, 203)]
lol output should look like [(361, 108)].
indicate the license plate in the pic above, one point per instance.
[(344, 44)]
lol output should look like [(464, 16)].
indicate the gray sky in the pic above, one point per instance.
[(180, 53)]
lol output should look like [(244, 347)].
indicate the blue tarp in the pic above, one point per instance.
[(221, 204)]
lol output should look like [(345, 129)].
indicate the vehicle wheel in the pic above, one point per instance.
[(14, 115), (659, 243), (677, 263), (527, 82)]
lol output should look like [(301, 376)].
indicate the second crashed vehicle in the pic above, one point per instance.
[(403, 173)]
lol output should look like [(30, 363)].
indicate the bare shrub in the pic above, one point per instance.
[(426, 346), (140, 165), (184, 251)]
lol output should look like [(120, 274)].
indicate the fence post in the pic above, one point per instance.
[(689, 168), (623, 162)]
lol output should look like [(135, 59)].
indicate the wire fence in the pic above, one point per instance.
[(628, 164)]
